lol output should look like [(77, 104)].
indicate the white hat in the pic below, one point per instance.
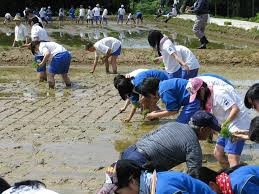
[(122, 5), (97, 5)]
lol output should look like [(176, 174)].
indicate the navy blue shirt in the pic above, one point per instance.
[(173, 93), (201, 7)]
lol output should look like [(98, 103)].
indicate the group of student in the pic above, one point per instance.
[(209, 103)]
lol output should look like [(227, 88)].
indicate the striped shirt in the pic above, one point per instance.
[(172, 144)]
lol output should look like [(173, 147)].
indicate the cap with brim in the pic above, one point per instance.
[(193, 87), (17, 18), (204, 119)]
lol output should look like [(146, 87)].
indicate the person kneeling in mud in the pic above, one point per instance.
[(57, 57), (129, 89), (109, 47)]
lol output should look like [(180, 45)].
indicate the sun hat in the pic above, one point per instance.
[(202, 118), (17, 18), (122, 6), (193, 86)]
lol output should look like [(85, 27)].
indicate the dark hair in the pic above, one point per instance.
[(126, 171), (123, 85), (89, 44), (206, 95), (154, 38), (33, 46), (117, 79), (4, 185), (32, 183), (253, 94), (207, 175), (149, 86), (254, 129), (35, 20)]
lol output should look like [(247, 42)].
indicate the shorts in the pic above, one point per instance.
[(38, 59), (117, 52), (229, 147), (72, 16), (81, 17), (192, 73), (177, 74), (120, 17), (60, 63), (133, 153), (96, 18), (139, 16)]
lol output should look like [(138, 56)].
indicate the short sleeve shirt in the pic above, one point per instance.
[(20, 32), (102, 46), (52, 47), (167, 49), (223, 99), (39, 33), (173, 93), (187, 56), (96, 11)]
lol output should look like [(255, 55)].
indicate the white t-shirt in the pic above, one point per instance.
[(20, 32), (42, 13), (39, 33), (121, 11), (89, 14), (96, 11), (129, 16), (213, 81), (102, 46), (223, 99), (167, 49), (81, 12), (52, 47), (187, 56), (105, 13)]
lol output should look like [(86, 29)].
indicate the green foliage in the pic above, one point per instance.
[(146, 6), (225, 130), (255, 19), (227, 23)]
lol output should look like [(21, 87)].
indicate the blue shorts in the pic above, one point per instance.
[(177, 74), (187, 112), (132, 153), (60, 63), (139, 16), (96, 18), (117, 52), (38, 59), (120, 17), (192, 73), (229, 147)]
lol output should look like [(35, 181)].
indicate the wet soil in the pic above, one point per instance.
[(67, 137)]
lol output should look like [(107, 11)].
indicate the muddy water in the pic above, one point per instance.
[(66, 137)]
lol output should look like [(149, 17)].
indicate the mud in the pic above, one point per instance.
[(67, 137)]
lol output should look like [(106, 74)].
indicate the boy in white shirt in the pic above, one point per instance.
[(109, 47), (89, 15), (7, 18), (21, 33), (96, 11), (81, 14), (121, 13), (105, 16), (130, 18), (57, 57)]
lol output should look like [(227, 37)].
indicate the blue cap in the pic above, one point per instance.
[(204, 119)]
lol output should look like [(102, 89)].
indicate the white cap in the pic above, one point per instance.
[(122, 5), (97, 5)]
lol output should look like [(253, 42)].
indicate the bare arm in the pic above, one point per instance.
[(125, 105), (180, 61), (132, 112), (160, 114), (45, 59), (95, 64), (233, 113)]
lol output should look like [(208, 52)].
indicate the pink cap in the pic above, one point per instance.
[(193, 87)]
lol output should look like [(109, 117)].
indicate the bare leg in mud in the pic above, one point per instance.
[(114, 64), (66, 79), (220, 156), (42, 76), (51, 80)]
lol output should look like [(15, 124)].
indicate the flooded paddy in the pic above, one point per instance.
[(67, 137)]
